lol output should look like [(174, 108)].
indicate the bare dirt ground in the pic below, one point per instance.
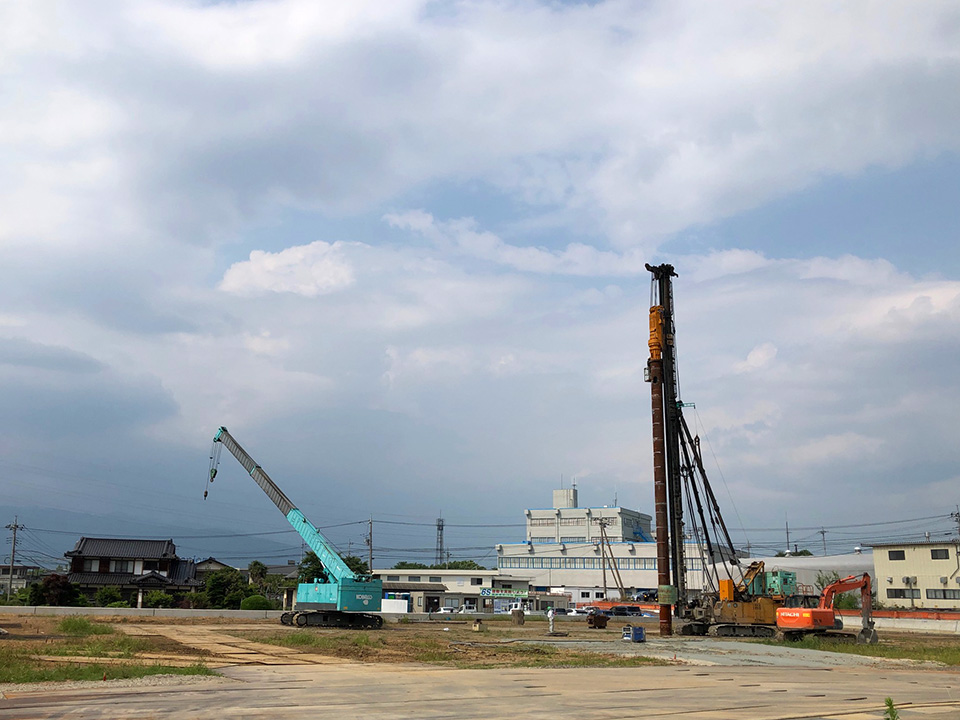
[(442, 670), (217, 642)]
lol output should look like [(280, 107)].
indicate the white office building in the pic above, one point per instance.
[(564, 553)]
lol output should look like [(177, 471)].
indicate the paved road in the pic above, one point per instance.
[(376, 692)]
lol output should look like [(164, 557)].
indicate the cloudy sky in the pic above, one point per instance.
[(398, 249)]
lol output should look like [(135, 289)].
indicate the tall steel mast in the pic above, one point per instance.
[(670, 532)]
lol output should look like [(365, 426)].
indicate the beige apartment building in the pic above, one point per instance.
[(922, 575)]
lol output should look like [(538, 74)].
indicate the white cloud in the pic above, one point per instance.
[(634, 120), (576, 259), (759, 357), (146, 147), (312, 270)]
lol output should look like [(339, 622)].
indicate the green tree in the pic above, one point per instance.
[(225, 588), (358, 566), (108, 594), (311, 569), (195, 600), (56, 590), (410, 566), (258, 573), (458, 565)]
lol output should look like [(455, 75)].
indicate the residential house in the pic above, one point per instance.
[(23, 575), (134, 566)]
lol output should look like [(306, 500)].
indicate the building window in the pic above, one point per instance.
[(149, 565), (393, 578), (896, 555), (91, 565), (584, 594), (121, 566), (543, 539), (436, 578), (507, 586), (940, 554), (899, 593), (943, 594), (600, 595), (578, 539), (572, 521), (476, 581), (542, 522), (413, 578)]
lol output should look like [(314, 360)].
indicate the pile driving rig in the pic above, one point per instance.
[(742, 606), (344, 599)]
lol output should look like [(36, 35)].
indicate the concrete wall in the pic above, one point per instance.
[(137, 612)]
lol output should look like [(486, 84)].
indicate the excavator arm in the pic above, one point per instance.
[(853, 582)]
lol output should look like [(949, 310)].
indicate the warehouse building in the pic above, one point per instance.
[(922, 575)]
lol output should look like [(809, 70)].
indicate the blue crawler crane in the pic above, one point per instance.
[(344, 599)]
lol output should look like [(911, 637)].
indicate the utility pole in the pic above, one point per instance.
[(438, 559), (823, 534), (370, 547), (956, 519), (13, 554), (787, 525)]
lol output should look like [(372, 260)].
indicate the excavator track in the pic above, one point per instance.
[(335, 619)]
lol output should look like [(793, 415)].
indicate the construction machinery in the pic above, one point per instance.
[(745, 602), (342, 599), (794, 620)]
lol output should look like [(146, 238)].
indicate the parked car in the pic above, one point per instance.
[(447, 610), (576, 612), (561, 611)]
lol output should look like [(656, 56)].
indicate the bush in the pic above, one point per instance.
[(119, 604), (157, 599), (194, 600), (256, 602), (108, 595), (80, 626)]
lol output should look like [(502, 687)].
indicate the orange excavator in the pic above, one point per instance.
[(795, 622)]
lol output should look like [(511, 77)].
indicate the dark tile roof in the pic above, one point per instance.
[(92, 578), (183, 571), (118, 548), (89, 579)]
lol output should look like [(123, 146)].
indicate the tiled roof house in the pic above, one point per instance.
[(130, 565)]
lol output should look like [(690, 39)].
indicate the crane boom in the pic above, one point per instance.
[(344, 595), (314, 539)]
